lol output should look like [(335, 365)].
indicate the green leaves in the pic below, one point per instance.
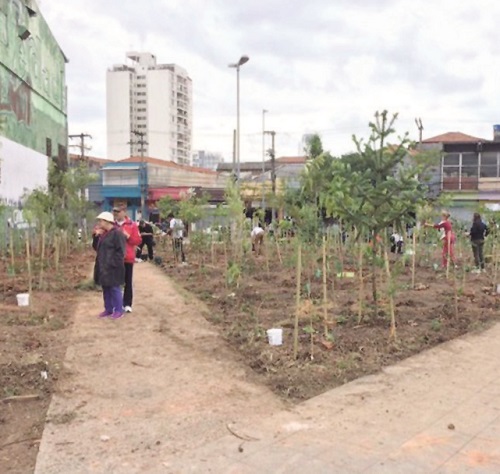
[(377, 186)]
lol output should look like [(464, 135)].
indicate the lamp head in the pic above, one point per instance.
[(244, 59)]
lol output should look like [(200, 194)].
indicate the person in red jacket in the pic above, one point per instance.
[(448, 238), (131, 232)]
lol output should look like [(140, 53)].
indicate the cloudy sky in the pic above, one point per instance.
[(318, 65)]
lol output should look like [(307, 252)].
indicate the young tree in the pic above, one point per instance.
[(375, 188)]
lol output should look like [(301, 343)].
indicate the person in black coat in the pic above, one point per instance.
[(109, 270), (147, 234), (478, 232)]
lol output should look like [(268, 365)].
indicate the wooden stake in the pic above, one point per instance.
[(325, 290), (361, 296), (28, 262), (392, 334), (297, 303), (11, 244), (414, 256)]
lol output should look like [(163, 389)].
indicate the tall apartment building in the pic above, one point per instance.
[(149, 103)]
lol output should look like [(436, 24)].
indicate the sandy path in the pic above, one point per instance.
[(147, 388)]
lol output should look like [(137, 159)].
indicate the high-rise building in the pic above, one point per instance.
[(149, 110)]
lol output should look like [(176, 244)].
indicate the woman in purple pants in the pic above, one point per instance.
[(109, 269)]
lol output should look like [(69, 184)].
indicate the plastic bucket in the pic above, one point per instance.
[(275, 337), (23, 299)]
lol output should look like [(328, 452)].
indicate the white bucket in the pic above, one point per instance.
[(23, 299), (498, 288), (275, 337)]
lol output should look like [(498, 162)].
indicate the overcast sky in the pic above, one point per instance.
[(317, 65)]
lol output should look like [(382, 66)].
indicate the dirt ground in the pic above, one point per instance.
[(33, 341), (265, 299), (32, 345)]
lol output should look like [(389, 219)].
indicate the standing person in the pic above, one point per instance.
[(448, 237), (133, 238), (257, 236), (109, 269), (147, 234), (478, 232), (177, 229), (396, 243)]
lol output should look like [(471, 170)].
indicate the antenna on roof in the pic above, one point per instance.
[(420, 127)]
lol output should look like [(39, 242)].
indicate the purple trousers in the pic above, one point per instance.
[(113, 299)]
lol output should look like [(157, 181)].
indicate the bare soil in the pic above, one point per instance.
[(32, 346), (33, 340), (265, 298)]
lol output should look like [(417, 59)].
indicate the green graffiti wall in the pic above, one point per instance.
[(32, 78)]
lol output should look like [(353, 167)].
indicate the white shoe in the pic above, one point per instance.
[(128, 309), (138, 260), (476, 270)]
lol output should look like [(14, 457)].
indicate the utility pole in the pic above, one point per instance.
[(81, 145), (142, 176), (420, 129), (272, 154)]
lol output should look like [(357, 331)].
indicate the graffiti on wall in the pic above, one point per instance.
[(32, 78)]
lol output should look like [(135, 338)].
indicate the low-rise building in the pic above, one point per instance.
[(469, 171)]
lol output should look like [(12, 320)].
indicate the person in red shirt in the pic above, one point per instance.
[(448, 238), (131, 232)]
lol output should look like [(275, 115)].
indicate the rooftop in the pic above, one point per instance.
[(167, 164), (454, 137)]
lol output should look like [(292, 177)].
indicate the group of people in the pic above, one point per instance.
[(119, 242), (477, 233)]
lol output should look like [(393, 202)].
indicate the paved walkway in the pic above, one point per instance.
[(437, 412)]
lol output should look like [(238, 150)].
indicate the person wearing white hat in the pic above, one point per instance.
[(109, 269)]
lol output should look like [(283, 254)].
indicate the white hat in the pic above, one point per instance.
[(106, 216)]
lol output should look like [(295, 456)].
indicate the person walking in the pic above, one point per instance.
[(109, 268), (478, 232), (147, 235), (448, 238), (177, 229), (133, 239)]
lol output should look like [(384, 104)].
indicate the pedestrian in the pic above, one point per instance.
[(133, 238), (147, 235), (109, 268), (478, 232), (257, 236), (396, 243), (177, 229), (448, 238)]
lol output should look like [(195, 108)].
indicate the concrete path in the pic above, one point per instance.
[(438, 412)]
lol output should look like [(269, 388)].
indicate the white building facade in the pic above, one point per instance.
[(149, 110), (206, 159)]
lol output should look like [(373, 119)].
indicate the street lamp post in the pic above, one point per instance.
[(244, 59)]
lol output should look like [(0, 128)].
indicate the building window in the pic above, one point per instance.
[(489, 165), (460, 171)]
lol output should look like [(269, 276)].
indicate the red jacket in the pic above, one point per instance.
[(131, 231)]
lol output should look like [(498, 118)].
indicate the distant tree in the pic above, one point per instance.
[(314, 146)]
